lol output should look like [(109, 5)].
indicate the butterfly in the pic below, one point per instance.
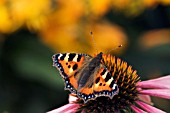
[(85, 76)]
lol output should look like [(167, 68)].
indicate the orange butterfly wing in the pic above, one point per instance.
[(74, 69), (104, 84), (101, 84), (68, 64)]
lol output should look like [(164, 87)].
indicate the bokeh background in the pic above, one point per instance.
[(31, 31)]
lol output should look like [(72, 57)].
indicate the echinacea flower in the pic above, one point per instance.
[(134, 94)]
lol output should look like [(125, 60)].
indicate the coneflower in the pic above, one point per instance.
[(134, 94)]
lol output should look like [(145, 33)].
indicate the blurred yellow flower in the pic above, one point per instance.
[(17, 13), (67, 28), (164, 2), (5, 21), (107, 36), (129, 7), (120, 4), (74, 11), (30, 11), (98, 7), (60, 38), (154, 38), (36, 14), (67, 12), (136, 7), (150, 3), (70, 39)]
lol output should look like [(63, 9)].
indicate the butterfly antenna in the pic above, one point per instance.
[(113, 49), (94, 42)]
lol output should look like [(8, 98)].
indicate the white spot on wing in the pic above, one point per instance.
[(114, 86), (60, 56), (66, 58), (75, 58), (110, 80), (70, 70), (96, 85), (104, 76)]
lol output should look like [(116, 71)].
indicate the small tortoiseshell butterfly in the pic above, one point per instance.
[(85, 76)]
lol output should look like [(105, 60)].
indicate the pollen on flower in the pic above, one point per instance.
[(126, 78)]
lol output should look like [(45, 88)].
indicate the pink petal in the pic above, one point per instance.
[(69, 108), (137, 110), (72, 98), (83, 111), (145, 98), (159, 83), (163, 93), (149, 108)]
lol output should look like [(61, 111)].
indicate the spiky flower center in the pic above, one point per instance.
[(125, 78)]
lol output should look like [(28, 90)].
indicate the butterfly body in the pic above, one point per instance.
[(85, 75)]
